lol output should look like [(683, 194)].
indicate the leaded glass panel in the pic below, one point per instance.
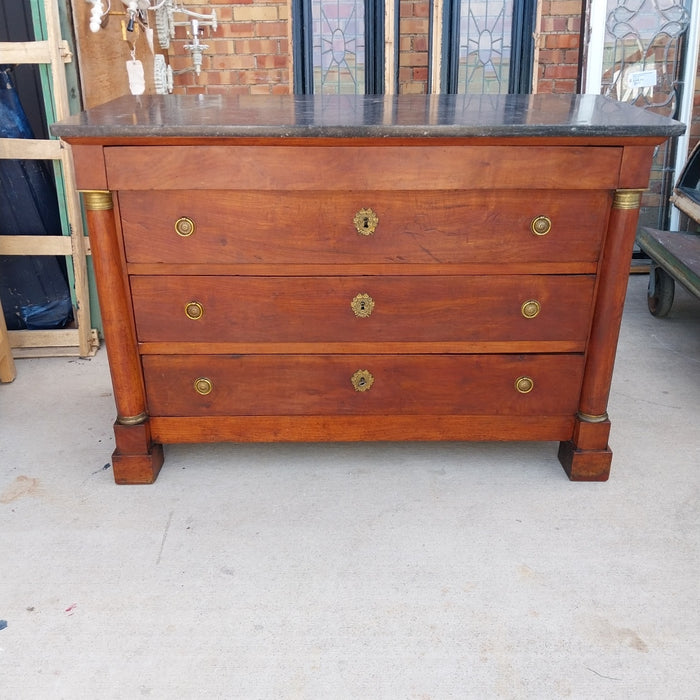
[(338, 46), (485, 28), (642, 59)]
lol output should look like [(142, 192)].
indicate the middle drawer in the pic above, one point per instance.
[(362, 309)]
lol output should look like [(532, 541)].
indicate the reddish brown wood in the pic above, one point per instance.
[(360, 428), (275, 261), (89, 163), (585, 465), (609, 305), (117, 321), (636, 164), (591, 436), (404, 309), (136, 459), (403, 384), (587, 456), (433, 227), (499, 347), (524, 267), (346, 166)]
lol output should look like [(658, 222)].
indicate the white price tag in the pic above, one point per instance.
[(641, 79), (137, 79)]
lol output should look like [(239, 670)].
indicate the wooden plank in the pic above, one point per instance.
[(38, 245), (47, 27), (7, 364), (359, 428), (391, 348), (102, 56), (29, 149), (420, 167), (41, 52), (686, 204), (62, 342), (25, 52)]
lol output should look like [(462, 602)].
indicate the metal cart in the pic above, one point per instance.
[(675, 255)]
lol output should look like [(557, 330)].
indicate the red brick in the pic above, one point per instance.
[(561, 71), (414, 59), (420, 43), (238, 29), (270, 61), (564, 7), (272, 29), (561, 41), (420, 75), (413, 26), (421, 9)]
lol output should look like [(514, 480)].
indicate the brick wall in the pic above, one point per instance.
[(414, 28), (559, 47), (250, 52)]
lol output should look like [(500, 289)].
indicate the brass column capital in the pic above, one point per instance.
[(132, 420), (588, 418), (627, 199), (97, 200)]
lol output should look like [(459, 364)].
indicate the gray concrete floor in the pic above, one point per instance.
[(355, 571)]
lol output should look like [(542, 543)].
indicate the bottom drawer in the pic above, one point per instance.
[(220, 385)]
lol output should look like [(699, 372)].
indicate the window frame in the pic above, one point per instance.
[(302, 47), (445, 45)]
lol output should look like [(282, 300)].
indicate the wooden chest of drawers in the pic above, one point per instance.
[(369, 268)]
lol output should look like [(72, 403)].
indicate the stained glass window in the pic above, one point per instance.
[(487, 46), (338, 46), (484, 46)]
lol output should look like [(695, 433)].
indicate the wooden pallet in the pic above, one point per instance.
[(52, 51)]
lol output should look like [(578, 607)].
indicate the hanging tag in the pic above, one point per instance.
[(137, 80)]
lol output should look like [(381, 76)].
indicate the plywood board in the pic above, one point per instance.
[(102, 55)]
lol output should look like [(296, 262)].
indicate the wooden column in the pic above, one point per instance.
[(136, 459), (587, 456)]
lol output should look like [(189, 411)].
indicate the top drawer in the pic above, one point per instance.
[(468, 226), (347, 167)]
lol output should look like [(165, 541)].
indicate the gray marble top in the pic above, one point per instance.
[(365, 115)]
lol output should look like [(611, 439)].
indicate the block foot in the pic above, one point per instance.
[(585, 465), (137, 469), (137, 460)]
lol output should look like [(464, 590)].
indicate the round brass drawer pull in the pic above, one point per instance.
[(365, 222), (194, 310), (203, 386), (524, 385), (362, 305), (541, 225), (530, 308), (184, 226), (362, 380)]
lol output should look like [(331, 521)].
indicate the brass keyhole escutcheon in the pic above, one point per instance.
[(530, 308), (362, 305), (541, 225), (194, 310), (365, 222), (524, 385), (362, 380), (184, 226), (203, 386)]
